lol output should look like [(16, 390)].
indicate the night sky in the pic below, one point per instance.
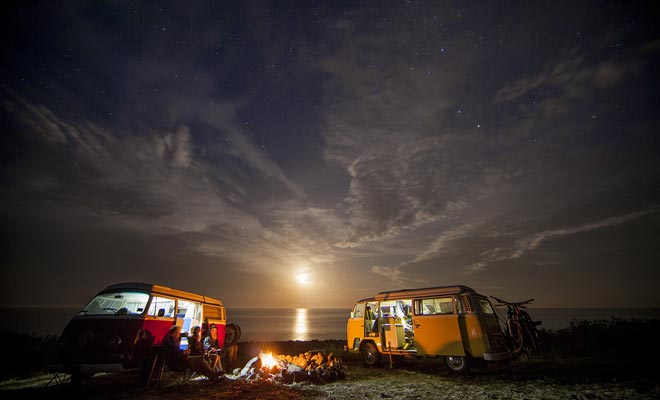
[(293, 154)]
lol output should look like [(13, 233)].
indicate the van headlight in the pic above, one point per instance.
[(114, 342)]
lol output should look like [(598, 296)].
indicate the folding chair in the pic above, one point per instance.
[(57, 376), (175, 377), (58, 379), (162, 374)]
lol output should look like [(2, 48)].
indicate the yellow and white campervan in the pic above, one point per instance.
[(453, 322)]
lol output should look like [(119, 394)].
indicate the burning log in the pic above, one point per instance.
[(314, 366)]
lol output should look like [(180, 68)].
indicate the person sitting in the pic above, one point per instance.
[(369, 314), (144, 340), (370, 321), (198, 349), (178, 360), (211, 341), (227, 352)]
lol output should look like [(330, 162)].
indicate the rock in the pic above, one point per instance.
[(253, 363)]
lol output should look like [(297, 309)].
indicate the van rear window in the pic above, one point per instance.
[(485, 306)]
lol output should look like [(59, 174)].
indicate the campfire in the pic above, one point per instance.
[(314, 366)]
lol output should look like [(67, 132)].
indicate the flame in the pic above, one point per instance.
[(267, 360)]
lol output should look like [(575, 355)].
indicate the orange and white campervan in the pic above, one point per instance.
[(109, 333), (453, 322)]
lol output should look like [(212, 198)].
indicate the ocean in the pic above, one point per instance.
[(267, 324)]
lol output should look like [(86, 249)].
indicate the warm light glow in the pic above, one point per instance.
[(267, 360), (303, 278), (300, 328)]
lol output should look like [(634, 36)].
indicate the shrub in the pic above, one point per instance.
[(617, 337), (25, 355)]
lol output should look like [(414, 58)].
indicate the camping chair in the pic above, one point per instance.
[(177, 377), (162, 374), (58, 379), (56, 375)]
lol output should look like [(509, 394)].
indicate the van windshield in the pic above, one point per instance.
[(120, 303)]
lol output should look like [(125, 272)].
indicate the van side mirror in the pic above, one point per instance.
[(161, 312)]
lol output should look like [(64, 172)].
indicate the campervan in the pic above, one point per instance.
[(116, 328), (452, 322)]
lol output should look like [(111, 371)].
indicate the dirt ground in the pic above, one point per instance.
[(409, 379)]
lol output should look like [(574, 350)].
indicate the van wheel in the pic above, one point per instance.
[(370, 355), (459, 364), (232, 334)]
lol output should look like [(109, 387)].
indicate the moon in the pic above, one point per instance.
[(303, 278)]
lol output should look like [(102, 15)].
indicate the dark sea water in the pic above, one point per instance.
[(297, 323)]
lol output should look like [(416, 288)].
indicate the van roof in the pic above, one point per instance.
[(164, 290), (423, 292)]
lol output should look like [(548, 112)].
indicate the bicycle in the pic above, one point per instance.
[(520, 330)]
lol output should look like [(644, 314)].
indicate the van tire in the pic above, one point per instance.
[(458, 364), (370, 355), (232, 334)]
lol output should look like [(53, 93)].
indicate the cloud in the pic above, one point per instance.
[(571, 78), (450, 156), (530, 242), (392, 273), (444, 242), (150, 181), (222, 116), (407, 187), (394, 119), (283, 237), (379, 96), (384, 125), (176, 147), (40, 121), (163, 183)]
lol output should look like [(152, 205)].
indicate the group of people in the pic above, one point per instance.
[(203, 356)]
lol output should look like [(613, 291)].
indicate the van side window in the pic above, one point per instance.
[(161, 303), (435, 306)]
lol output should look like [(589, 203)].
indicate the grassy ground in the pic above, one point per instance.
[(408, 379)]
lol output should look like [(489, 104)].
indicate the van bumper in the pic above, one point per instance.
[(505, 355)]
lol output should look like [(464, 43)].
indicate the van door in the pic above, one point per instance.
[(160, 316), (188, 315), (436, 328), (355, 326)]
